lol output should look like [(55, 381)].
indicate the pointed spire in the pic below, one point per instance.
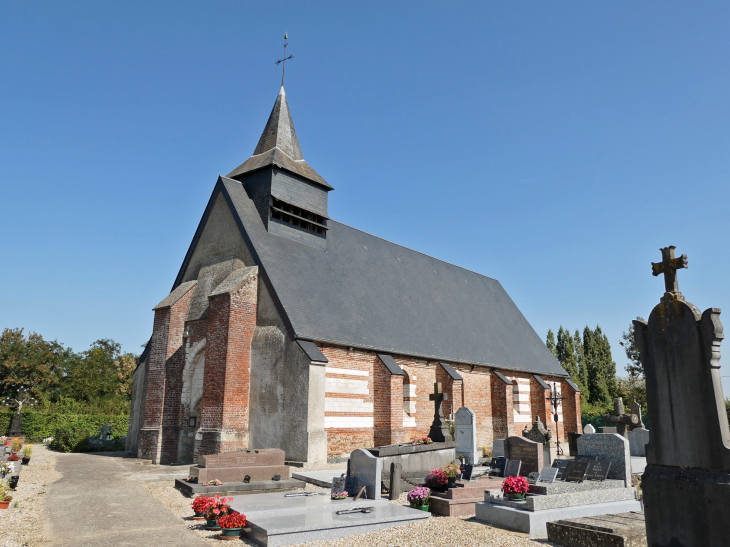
[(279, 131), (279, 146)]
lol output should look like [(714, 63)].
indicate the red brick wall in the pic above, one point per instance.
[(539, 402), (571, 409), (477, 388), (224, 412), (423, 374), (162, 407), (388, 409), (503, 419)]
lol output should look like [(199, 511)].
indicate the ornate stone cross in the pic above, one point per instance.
[(669, 266), (621, 419), (439, 428)]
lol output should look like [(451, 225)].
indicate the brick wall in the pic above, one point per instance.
[(571, 409), (502, 409), (161, 427), (477, 387), (388, 410), (224, 412)]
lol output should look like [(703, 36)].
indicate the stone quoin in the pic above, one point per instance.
[(286, 329)]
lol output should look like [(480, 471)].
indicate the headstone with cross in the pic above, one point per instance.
[(439, 428), (621, 419), (685, 483)]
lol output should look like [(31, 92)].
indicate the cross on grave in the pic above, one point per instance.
[(669, 266), (439, 428), (621, 419)]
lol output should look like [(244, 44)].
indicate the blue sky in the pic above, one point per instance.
[(553, 146)]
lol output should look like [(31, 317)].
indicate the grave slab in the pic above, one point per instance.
[(323, 479), (621, 530), (231, 488), (534, 523), (258, 506), (273, 531), (561, 487), (568, 499)]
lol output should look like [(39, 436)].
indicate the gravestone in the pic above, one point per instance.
[(638, 439), (573, 442), (338, 484), (686, 483), (598, 470), (497, 466), (258, 465), (512, 468), (636, 410), (532, 477), (439, 431), (498, 448), (575, 471), (589, 429), (465, 428), (560, 465), (528, 452), (609, 429), (548, 474), (624, 422), (16, 426), (540, 434), (610, 447), (369, 470)]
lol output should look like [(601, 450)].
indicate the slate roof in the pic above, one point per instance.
[(279, 146), (369, 293)]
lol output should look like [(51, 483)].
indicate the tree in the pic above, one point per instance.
[(582, 369), (600, 367), (30, 361), (634, 367), (100, 373), (550, 343), (565, 353)]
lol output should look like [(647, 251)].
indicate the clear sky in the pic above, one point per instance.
[(555, 146)]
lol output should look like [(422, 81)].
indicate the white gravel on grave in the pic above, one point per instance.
[(22, 523), (436, 531)]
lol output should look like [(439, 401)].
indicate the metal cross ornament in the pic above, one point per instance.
[(555, 400), (285, 59), (669, 266)]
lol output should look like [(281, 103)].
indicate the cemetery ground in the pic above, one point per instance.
[(100, 499)]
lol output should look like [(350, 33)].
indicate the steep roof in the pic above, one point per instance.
[(366, 292), (279, 146)]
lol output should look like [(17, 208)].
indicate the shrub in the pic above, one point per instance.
[(40, 425), (69, 438)]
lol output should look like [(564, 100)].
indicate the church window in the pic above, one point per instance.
[(296, 216)]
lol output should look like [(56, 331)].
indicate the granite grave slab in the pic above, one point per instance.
[(530, 453), (609, 447)]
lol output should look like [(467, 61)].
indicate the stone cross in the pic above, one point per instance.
[(439, 428), (620, 418), (669, 266)]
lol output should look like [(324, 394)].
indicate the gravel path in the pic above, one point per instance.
[(436, 531), (22, 523)]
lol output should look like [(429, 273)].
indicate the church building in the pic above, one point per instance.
[(287, 329)]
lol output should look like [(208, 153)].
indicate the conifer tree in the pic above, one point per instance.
[(550, 343), (634, 368), (565, 352), (582, 369)]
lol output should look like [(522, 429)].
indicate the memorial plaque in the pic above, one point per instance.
[(338, 484), (583, 458), (512, 468), (497, 465), (532, 477), (530, 453), (548, 474), (576, 471), (352, 485), (560, 465), (597, 470)]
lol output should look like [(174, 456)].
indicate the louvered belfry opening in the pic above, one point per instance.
[(296, 216)]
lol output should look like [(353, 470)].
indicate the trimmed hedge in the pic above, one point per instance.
[(39, 425)]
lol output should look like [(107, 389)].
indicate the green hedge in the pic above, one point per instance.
[(39, 425)]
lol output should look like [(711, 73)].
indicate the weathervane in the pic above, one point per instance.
[(285, 59)]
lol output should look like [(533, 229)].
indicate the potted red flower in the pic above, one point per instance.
[(199, 504), (515, 487), (13, 457), (216, 508), (231, 525)]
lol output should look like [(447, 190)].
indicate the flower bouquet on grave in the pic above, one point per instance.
[(515, 487), (199, 504), (4, 469), (27, 452), (216, 508), (339, 495), (451, 471), (231, 525), (13, 457), (214, 482), (16, 444), (419, 497), (423, 440), (437, 479), (6, 496), (192, 479)]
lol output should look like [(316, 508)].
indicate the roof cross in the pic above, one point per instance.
[(285, 59), (669, 266)]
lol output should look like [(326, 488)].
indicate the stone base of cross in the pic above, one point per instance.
[(439, 431)]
